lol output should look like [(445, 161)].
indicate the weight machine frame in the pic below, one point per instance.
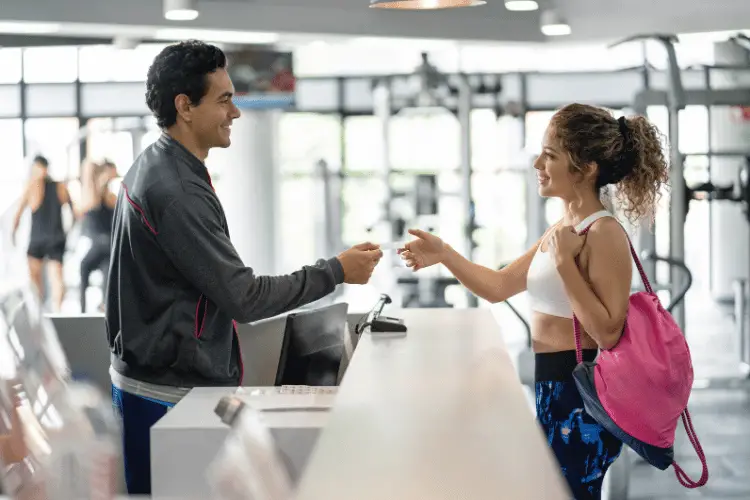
[(675, 98)]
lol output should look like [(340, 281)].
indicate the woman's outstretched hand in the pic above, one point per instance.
[(424, 251)]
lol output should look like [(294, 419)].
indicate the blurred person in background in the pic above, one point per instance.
[(46, 199), (98, 207)]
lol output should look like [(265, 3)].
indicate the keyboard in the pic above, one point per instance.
[(289, 397), (306, 389)]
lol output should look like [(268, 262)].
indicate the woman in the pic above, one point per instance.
[(584, 150), (98, 204)]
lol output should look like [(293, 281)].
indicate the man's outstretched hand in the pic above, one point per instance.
[(359, 262)]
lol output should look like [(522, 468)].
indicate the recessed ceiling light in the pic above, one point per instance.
[(423, 4), (180, 10), (521, 5), (552, 24)]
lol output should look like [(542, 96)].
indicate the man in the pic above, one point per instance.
[(45, 198), (176, 283)]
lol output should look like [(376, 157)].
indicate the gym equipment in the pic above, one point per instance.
[(738, 192), (430, 93), (426, 291), (675, 98), (675, 101), (723, 86)]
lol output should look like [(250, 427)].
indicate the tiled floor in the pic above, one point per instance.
[(722, 421), (721, 417)]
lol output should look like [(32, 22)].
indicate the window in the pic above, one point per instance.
[(56, 139), (10, 61), (425, 141), (106, 63), (106, 140), (496, 143), (12, 162), (153, 132), (485, 140), (498, 187), (536, 126), (567, 57), (363, 202), (360, 57), (299, 204), (500, 207), (50, 64), (693, 129), (364, 146), (305, 138), (693, 50)]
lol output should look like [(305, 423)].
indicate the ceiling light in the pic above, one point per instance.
[(521, 5), (423, 4), (180, 10), (553, 24), (125, 43)]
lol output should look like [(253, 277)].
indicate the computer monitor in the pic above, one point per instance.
[(261, 345), (313, 347), (83, 338)]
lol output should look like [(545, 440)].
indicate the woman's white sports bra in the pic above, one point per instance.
[(545, 286)]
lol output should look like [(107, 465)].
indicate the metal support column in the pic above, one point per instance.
[(382, 109), (677, 195), (467, 201), (646, 236), (677, 206), (741, 325), (536, 219)]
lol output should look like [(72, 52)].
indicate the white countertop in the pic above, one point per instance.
[(436, 414)]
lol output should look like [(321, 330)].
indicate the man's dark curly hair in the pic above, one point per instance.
[(180, 69)]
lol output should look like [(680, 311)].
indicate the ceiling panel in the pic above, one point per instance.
[(589, 19)]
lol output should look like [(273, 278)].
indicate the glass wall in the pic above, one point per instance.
[(57, 140), (50, 64), (11, 160), (10, 61), (501, 168), (304, 140), (69, 107), (104, 63)]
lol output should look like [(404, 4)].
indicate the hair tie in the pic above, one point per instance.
[(623, 122), (624, 163)]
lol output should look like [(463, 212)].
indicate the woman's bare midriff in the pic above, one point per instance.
[(553, 333)]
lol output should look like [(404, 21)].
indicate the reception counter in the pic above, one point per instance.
[(436, 414)]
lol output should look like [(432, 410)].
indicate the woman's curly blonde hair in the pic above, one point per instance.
[(629, 153)]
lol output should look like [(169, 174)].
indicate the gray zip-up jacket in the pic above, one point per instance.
[(176, 284)]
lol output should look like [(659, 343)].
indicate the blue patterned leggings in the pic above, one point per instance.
[(584, 449)]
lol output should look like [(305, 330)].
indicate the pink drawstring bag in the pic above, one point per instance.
[(639, 389)]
